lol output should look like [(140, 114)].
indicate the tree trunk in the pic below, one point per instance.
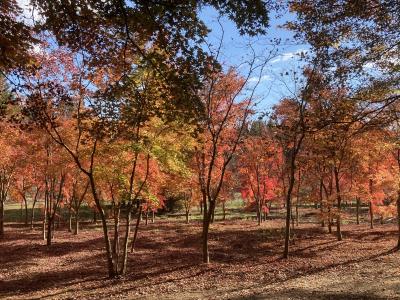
[(292, 216), (44, 218), (76, 230), (339, 203), (126, 240), (21, 212), (136, 229), (94, 216), (206, 226), (287, 226), (26, 212), (371, 215), (146, 217), (321, 207), (358, 210), (58, 217), (329, 219), (223, 211), (298, 197), (289, 204), (115, 249), (152, 216), (1, 218), (110, 264), (187, 216), (398, 220), (49, 231), (69, 220), (33, 213)]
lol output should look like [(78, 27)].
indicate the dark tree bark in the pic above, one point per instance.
[(339, 203), (136, 228), (1, 219), (398, 220), (371, 215), (76, 225), (33, 207)]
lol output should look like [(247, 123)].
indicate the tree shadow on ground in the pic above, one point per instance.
[(305, 294), (173, 256)]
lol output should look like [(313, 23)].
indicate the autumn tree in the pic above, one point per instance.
[(7, 167), (225, 119), (258, 170)]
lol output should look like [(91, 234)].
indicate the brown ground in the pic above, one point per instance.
[(246, 264)]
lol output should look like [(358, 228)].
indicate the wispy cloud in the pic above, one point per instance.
[(29, 14), (288, 56), (262, 78)]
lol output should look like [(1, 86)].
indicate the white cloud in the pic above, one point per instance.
[(288, 56), (29, 14), (262, 78), (369, 65)]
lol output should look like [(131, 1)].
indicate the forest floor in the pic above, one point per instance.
[(246, 263)]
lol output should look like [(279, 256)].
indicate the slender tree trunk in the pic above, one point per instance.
[(329, 219), (292, 216), (289, 203), (70, 220), (110, 264), (126, 240), (398, 201), (371, 215), (21, 212), (1, 218), (152, 216), (398, 219), (321, 204), (115, 248), (287, 231), (358, 210), (258, 208), (49, 231), (146, 217), (298, 198), (206, 226), (58, 217), (33, 212), (26, 212), (136, 228), (187, 216), (44, 217), (339, 203), (76, 230)]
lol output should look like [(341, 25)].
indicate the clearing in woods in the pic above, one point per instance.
[(246, 263)]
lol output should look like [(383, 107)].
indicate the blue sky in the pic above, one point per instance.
[(235, 50)]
